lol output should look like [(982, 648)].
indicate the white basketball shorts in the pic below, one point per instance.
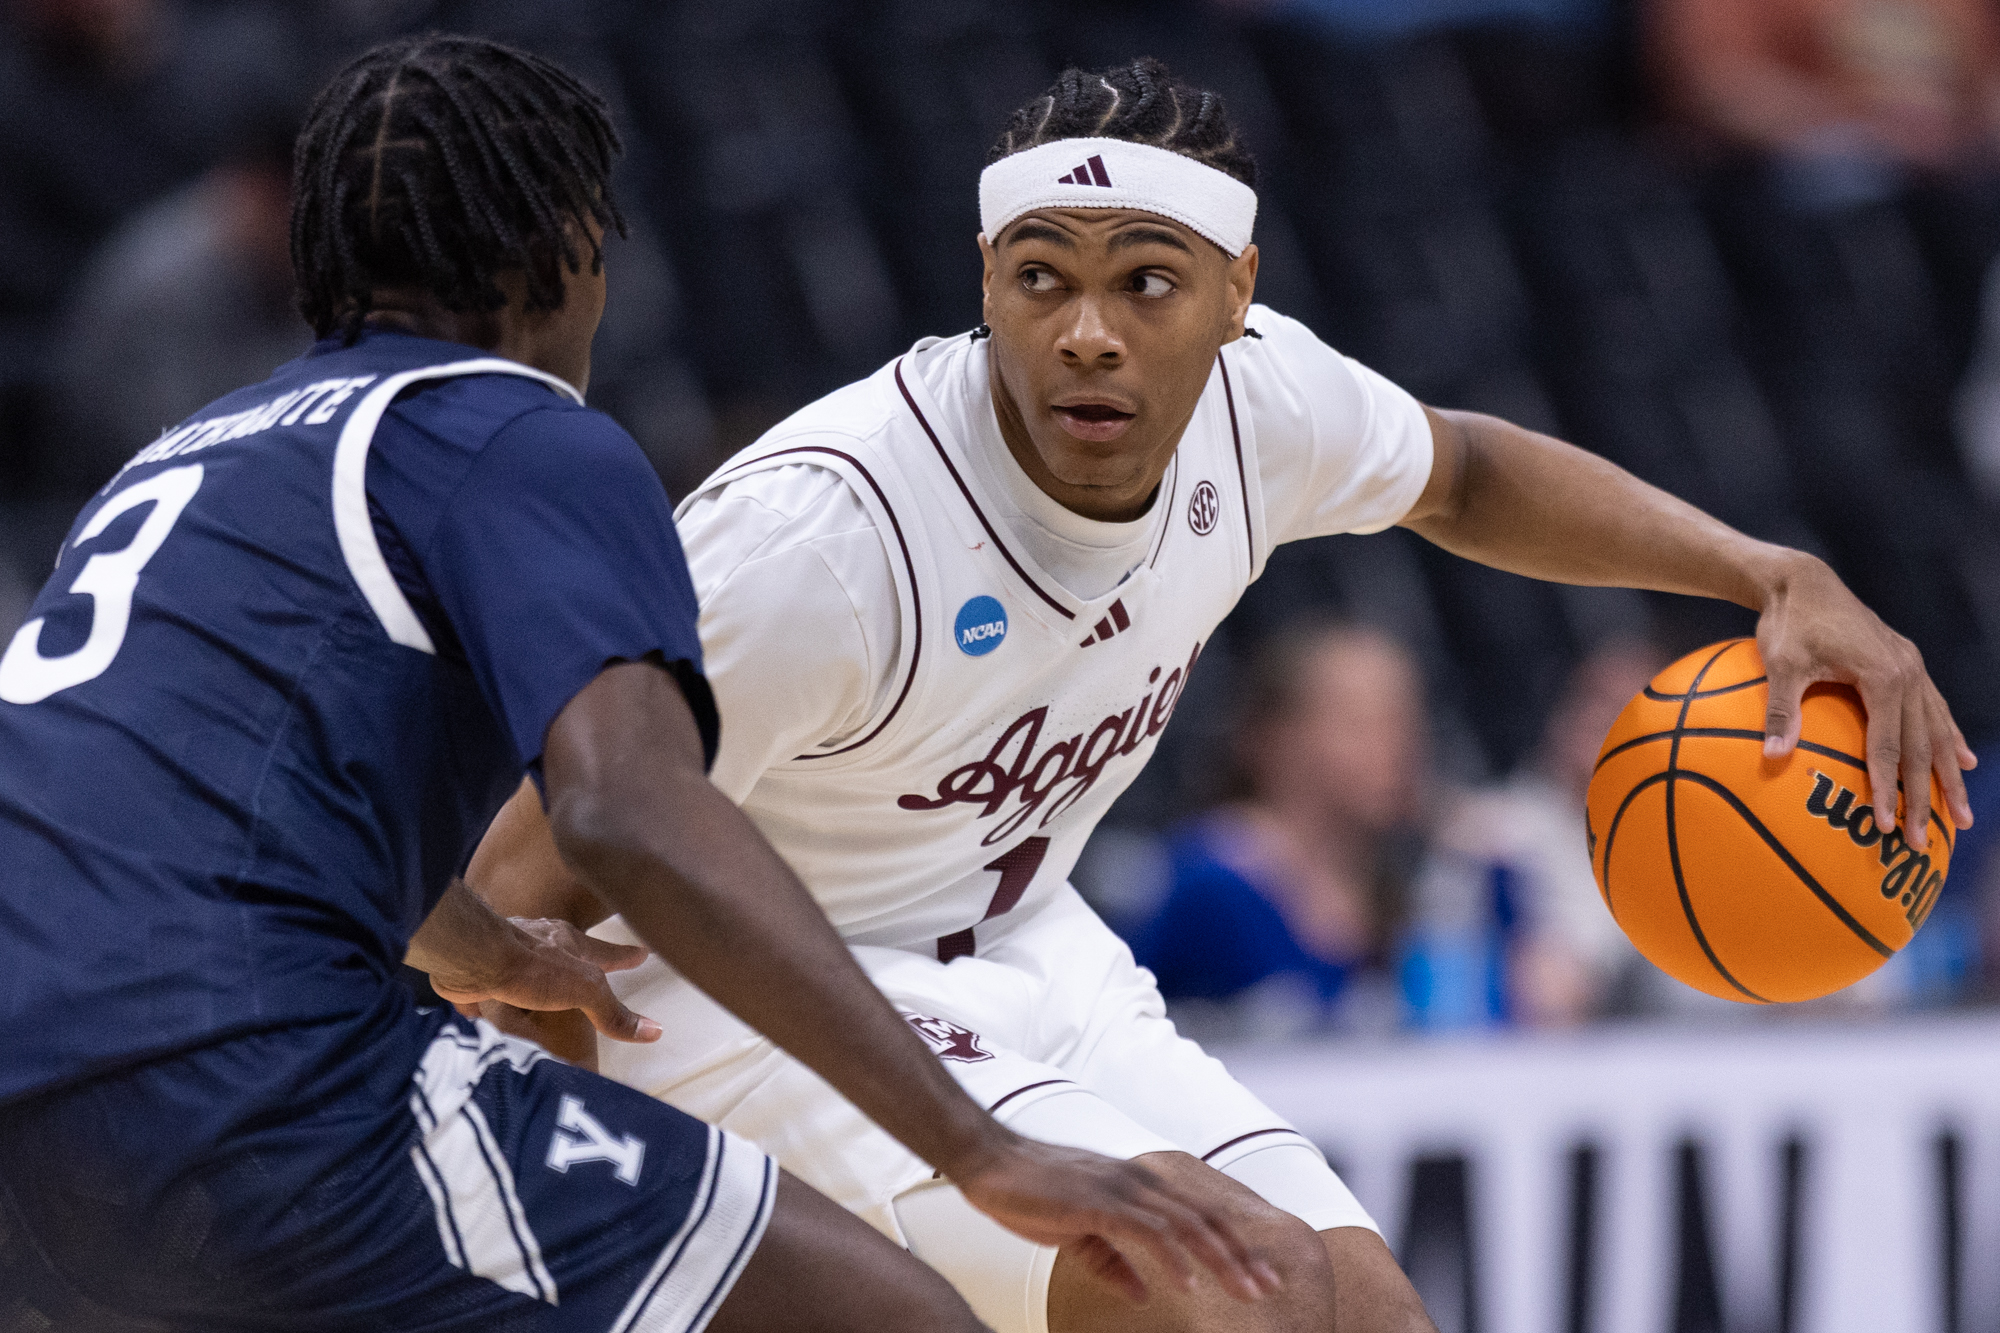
[(1051, 1026)]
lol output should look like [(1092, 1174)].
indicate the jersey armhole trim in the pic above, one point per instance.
[(1242, 474), (909, 566), (966, 491), (359, 546)]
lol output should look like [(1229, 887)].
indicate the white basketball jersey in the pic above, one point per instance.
[(1020, 711)]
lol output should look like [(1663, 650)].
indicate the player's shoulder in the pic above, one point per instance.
[(1277, 343), (811, 469), (472, 410)]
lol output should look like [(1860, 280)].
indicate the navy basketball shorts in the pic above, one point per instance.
[(410, 1170)]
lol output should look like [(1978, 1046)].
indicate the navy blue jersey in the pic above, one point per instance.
[(292, 660)]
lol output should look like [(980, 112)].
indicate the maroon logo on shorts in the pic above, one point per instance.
[(1204, 507), (949, 1040)]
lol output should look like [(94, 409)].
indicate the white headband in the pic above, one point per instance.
[(1114, 173)]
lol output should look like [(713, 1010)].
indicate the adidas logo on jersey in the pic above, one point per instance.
[(1117, 622), (1092, 172)]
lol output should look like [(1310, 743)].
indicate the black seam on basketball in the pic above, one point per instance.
[(1716, 733), (1944, 831), (1724, 733), (1805, 877), (1654, 694), (1828, 752), (1673, 830), (1611, 836)]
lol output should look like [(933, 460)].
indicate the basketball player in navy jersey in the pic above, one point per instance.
[(292, 659)]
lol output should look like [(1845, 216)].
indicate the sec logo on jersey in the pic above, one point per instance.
[(981, 625), (1204, 507)]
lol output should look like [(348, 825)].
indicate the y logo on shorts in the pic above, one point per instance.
[(948, 1039), (580, 1137)]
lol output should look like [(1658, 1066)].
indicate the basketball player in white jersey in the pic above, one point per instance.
[(948, 610)]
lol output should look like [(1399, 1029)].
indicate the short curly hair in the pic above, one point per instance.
[(1141, 103)]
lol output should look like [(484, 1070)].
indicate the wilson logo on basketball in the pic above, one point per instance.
[(1910, 879), (1049, 780), (948, 1039), (1204, 507)]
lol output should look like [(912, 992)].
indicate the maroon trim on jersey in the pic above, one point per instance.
[(966, 491), (1242, 480), (1173, 492), (1212, 1153), (916, 598), (1045, 1083)]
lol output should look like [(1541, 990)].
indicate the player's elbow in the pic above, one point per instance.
[(601, 839)]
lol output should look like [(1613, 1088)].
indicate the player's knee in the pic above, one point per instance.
[(1297, 1253)]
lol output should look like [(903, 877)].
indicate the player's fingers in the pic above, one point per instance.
[(1885, 752), (1103, 1262), (1948, 756), (611, 1018), (1238, 1266), (1782, 716), (608, 956), (1916, 773), (1187, 1232)]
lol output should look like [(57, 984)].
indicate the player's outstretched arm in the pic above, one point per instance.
[(637, 823), (1526, 503)]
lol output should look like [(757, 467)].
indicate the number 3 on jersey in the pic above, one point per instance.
[(109, 579)]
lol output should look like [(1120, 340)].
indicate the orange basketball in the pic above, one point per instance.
[(1754, 879)]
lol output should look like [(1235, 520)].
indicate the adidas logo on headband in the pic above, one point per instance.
[(1090, 173)]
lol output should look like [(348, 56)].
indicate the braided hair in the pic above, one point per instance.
[(1141, 103), (439, 163)]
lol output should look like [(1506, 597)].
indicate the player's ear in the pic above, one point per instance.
[(988, 261), (1242, 279)]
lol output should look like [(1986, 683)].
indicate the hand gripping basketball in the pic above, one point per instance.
[(1753, 875), (1815, 630)]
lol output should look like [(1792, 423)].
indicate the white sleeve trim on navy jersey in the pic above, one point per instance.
[(1339, 447), (358, 544)]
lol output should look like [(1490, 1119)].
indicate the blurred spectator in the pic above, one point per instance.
[(188, 300), (106, 104), (1979, 400), (1843, 92), (1508, 922), (1283, 899)]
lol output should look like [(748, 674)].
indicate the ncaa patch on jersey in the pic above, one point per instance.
[(981, 625)]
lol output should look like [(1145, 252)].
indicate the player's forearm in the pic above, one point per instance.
[(518, 872), (464, 941), (701, 887), (1533, 505)]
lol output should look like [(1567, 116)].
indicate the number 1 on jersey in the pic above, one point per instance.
[(1017, 867), (109, 579)]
